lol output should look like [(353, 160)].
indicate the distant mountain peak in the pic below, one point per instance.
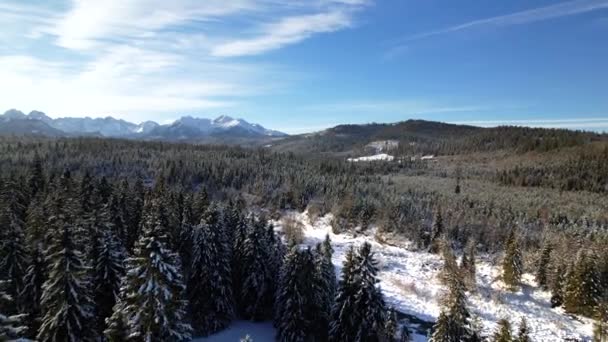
[(187, 127)]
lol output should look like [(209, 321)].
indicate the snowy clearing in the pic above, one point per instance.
[(258, 331), (409, 282), (377, 157)]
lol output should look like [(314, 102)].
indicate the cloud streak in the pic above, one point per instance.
[(563, 9)]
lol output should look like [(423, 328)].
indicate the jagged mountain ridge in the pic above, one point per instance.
[(185, 128)]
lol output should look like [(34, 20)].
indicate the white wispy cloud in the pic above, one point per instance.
[(563, 9), (136, 57), (286, 31)]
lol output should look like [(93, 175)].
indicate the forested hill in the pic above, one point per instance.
[(419, 136)]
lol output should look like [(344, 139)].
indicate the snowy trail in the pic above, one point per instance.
[(409, 282)]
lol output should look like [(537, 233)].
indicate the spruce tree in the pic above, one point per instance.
[(210, 283), (344, 314), (116, 326), (67, 304), (368, 299), (36, 179), (32, 290), (390, 326), (441, 329), (437, 231), (108, 270), (523, 334), (503, 332), (582, 288), (600, 326), (14, 257), (297, 298), (467, 265), (325, 277), (543, 267), (153, 290), (512, 263), (11, 326), (557, 287)]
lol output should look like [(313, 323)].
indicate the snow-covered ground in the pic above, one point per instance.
[(258, 331), (376, 157), (410, 284)]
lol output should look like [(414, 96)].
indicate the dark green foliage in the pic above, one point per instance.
[(512, 264), (297, 298), (153, 293), (582, 289), (210, 282), (344, 312), (543, 267), (503, 332), (437, 232), (11, 326)]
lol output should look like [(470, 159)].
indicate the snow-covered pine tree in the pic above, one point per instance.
[(542, 268), (185, 245), (557, 287), (390, 326), (325, 277), (153, 290), (116, 326), (441, 329), (108, 270), (238, 268), (35, 178), (32, 289), (11, 326), (297, 298), (14, 257), (436, 233), (467, 265), (210, 283), (344, 314), (523, 333), (368, 298), (600, 326), (256, 296), (582, 289), (67, 304), (503, 331), (512, 263)]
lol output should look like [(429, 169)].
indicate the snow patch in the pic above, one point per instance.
[(377, 157)]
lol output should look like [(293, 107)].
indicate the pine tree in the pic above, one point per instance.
[(512, 264), (11, 326), (108, 270), (437, 231), (390, 326), (116, 326), (32, 290), (153, 290), (557, 287), (325, 277), (523, 334), (600, 327), (14, 258), (543, 266), (36, 180), (297, 298), (582, 291), (256, 293), (368, 299), (67, 304), (344, 314), (441, 332), (503, 332), (209, 284), (467, 265)]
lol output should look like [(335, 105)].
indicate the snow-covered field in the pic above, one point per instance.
[(410, 284), (258, 331), (376, 157)]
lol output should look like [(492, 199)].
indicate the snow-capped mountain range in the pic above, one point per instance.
[(185, 128)]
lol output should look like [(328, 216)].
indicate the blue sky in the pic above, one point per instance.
[(305, 65)]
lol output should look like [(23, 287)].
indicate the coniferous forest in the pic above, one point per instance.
[(118, 240)]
